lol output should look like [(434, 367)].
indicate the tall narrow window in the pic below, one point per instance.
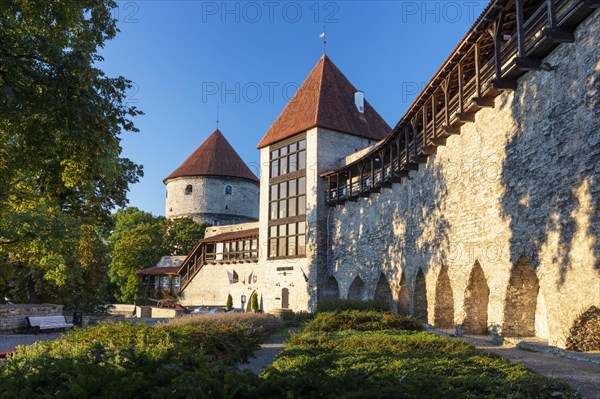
[(228, 190), (188, 189), (287, 200)]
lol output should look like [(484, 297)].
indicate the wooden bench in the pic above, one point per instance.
[(38, 323)]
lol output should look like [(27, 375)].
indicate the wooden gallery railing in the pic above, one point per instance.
[(510, 38)]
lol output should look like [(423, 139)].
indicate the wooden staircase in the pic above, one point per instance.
[(191, 265)]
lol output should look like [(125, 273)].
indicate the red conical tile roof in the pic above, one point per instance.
[(326, 99), (214, 157)]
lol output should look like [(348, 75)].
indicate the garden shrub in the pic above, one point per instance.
[(295, 319), (362, 321), (347, 354), (397, 364), (122, 360), (331, 305), (260, 324)]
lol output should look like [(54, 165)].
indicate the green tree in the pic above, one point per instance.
[(61, 171), (229, 301), (182, 235), (139, 240), (255, 306), (136, 243)]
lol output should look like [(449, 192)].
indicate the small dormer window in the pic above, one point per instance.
[(228, 190), (188, 189)]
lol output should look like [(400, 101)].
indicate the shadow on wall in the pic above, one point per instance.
[(551, 179), (551, 171), (364, 261)]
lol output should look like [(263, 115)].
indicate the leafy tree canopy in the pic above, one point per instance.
[(139, 240), (61, 172)]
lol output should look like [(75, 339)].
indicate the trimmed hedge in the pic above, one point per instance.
[(362, 321), (332, 305), (397, 364)]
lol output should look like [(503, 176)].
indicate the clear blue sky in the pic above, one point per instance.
[(188, 57)]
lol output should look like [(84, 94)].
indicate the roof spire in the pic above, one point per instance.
[(326, 99)]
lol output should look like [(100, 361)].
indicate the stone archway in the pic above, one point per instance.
[(357, 290), (383, 293), (477, 297), (403, 298), (420, 298), (521, 301), (444, 301), (332, 288)]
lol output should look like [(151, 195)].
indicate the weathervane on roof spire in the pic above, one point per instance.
[(217, 117), (322, 36)]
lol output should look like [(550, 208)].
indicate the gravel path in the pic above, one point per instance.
[(268, 351), (583, 376)]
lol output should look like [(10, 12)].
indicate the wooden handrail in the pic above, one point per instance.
[(460, 90)]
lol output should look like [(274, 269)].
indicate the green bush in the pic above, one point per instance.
[(331, 305), (261, 324), (362, 321), (295, 319), (229, 301), (132, 361), (255, 306), (396, 364)]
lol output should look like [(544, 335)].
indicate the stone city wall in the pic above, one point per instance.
[(500, 230)]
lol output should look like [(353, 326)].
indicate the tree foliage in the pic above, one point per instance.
[(139, 240), (136, 244), (61, 171), (182, 234)]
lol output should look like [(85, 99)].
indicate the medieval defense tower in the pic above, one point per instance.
[(213, 185)]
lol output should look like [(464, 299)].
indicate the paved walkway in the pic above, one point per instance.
[(268, 351), (9, 342)]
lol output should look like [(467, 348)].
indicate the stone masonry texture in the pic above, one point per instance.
[(515, 195)]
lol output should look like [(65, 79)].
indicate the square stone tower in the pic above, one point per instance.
[(325, 121)]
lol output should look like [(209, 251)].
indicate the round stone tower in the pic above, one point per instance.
[(213, 185)]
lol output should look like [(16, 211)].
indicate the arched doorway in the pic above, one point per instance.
[(249, 301), (444, 301), (403, 298), (477, 297), (383, 293), (521, 301), (332, 289), (420, 298), (357, 290), (285, 298)]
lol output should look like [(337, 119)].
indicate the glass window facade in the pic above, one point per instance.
[(233, 250), (287, 201)]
